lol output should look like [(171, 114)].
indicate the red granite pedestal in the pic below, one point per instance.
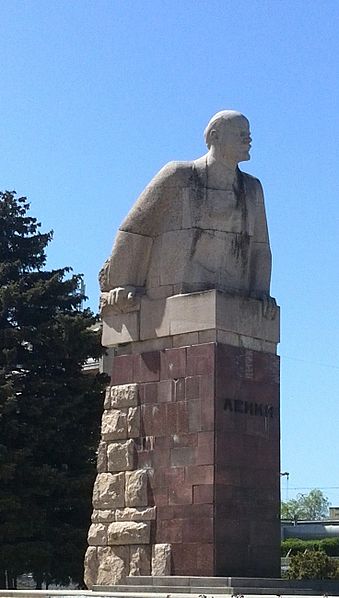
[(210, 433)]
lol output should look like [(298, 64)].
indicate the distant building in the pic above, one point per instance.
[(91, 366), (334, 513)]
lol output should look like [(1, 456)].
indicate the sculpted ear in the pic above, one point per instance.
[(213, 135)]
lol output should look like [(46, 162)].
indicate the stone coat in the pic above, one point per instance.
[(182, 236)]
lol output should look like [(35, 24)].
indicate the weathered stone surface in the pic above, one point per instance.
[(140, 560), (114, 424), (107, 400), (133, 422), (126, 243), (91, 567), (136, 514), (157, 245), (113, 565), (154, 344), (154, 322), (119, 328), (102, 457), (120, 456), (161, 559), (124, 395), (185, 340), (103, 515), (207, 310), (97, 535), (109, 491), (136, 488), (128, 532)]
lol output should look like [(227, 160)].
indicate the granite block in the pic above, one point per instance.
[(205, 559), (166, 391), (192, 387), (184, 455), (162, 457), (184, 558), (172, 418), (173, 363), (123, 369), (198, 530), (147, 367), (200, 359), (183, 426), (169, 531), (199, 474), (160, 497), (149, 393), (173, 476), (179, 389), (184, 439), (194, 416), (203, 493), (179, 495), (205, 454)]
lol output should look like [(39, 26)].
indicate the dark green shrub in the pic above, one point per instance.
[(296, 545), (313, 564), (328, 545)]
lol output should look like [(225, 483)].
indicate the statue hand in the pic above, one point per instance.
[(123, 299), (269, 307)]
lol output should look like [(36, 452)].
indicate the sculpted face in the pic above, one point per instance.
[(231, 138), (234, 139)]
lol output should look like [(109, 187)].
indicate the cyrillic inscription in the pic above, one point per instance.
[(249, 407)]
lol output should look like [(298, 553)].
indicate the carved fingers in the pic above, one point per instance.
[(123, 299), (269, 307)]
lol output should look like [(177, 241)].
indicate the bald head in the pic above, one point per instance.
[(225, 119), (228, 133)]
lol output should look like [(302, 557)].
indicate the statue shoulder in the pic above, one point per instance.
[(173, 174), (252, 184), (250, 179), (151, 209)]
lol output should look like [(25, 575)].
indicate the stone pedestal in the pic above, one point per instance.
[(188, 466)]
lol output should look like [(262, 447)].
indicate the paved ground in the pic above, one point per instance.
[(87, 593)]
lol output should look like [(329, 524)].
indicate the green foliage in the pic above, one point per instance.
[(328, 545), (312, 506), (313, 564), (49, 409)]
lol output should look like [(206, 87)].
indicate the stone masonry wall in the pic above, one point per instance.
[(185, 470), (154, 488), (247, 463)]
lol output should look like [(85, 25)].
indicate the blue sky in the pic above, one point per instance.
[(97, 96)]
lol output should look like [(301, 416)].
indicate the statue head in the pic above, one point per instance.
[(228, 133)]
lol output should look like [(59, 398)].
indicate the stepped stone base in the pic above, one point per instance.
[(190, 586)]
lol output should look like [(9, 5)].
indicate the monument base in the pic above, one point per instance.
[(188, 466), (234, 586), (210, 437)]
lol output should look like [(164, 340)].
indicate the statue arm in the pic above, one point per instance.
[(128, 262), (261, 259), (125, 271)]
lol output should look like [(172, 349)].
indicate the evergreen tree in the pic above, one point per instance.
[(49, 408)]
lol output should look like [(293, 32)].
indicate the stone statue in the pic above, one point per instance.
[(191, 334), (198, 225)]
